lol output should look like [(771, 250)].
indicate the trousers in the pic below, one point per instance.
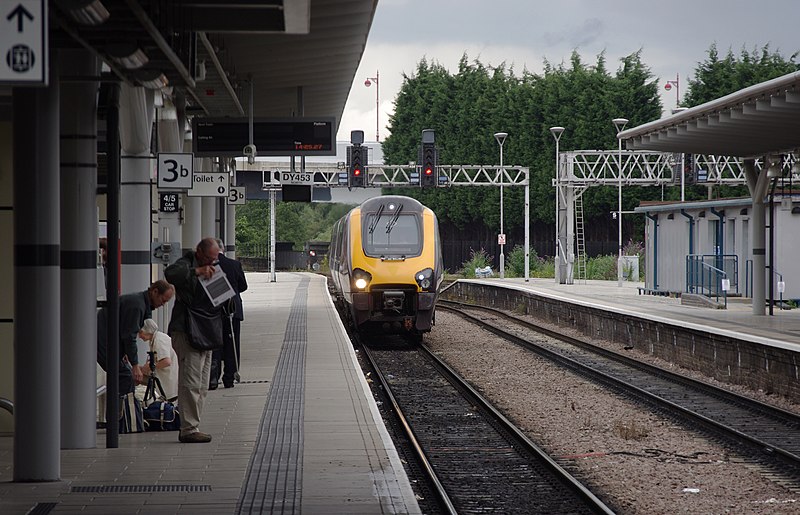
[(194, 370)]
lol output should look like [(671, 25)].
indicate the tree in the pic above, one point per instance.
[(715, 77), (468, 107)]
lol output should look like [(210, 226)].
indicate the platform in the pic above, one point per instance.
[(782, 329), (733, 345), (301, 433)]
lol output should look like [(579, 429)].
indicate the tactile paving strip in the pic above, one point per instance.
[(274, 478)]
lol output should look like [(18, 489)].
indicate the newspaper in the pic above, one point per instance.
[(217, 287)]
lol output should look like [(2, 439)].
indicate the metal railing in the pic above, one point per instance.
[(728, 263), (704, 279)]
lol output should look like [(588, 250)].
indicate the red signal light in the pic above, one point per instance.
[(357, 172), (428, 171)]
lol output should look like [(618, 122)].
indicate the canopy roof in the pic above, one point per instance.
[(758, 120)]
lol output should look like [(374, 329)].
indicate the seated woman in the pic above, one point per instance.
[(166, 359)]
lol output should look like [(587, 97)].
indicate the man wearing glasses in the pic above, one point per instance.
[(194, 367)]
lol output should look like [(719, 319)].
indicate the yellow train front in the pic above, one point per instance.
[(386, 264)]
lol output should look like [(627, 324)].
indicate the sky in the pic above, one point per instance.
[(673, 35)]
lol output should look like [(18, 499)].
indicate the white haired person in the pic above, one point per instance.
[(166, 359)]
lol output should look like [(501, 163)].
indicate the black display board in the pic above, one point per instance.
[(227, 137)]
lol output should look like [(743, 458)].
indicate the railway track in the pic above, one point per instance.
[(769, 434), (477, 459)]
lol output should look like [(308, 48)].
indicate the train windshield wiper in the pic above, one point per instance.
[(390, 225), (374, 223)]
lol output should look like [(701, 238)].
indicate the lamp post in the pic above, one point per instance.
[(677, 85), (501, 138), (556, 132), (368, 83), (620, 124)]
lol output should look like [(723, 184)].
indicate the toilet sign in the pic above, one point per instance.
[(23, 42), (209, 185)]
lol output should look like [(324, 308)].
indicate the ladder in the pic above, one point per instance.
[(580, 240)]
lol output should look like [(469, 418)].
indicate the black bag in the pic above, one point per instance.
[(162, 416), (131, 419), (205, 329)]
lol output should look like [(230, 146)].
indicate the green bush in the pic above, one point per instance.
[(602, 267), (544, 268), (477, 259), (516, 262)]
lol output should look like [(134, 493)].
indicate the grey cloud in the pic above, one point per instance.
[(583, 35)]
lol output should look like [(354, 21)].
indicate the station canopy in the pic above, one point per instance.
[(750, 123), (209, 51)]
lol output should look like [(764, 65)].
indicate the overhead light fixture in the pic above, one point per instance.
[(127, 55), (152, 79), (774, 169), (85, 12), (201, 71)]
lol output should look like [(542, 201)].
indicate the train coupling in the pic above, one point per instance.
[(393, 300)]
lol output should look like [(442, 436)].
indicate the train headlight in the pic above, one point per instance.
[(424, 278), (361, 278)]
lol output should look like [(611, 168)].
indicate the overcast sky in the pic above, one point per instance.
[(673, 35)]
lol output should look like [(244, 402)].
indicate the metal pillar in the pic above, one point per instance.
[(230, 231), (191, 233), (136, 124), (757, 184), (527, 229), (569, 251), (208, 220), (37, 276), (78, 251), (170, 139), (272, 214)]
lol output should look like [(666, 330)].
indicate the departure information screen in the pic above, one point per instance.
[(227, 137)]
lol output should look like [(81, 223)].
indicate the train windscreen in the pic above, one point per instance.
[(392, 233)]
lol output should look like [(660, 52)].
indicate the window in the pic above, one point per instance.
[(392, 235)]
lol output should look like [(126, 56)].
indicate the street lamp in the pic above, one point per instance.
[(368, 83), (620, 124), (501, 138), (556, 132)]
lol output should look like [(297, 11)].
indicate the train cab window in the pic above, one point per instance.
[(392, 234)]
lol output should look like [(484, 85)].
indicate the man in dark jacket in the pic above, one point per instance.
[(194, 365), (134, 308), (229, 355)]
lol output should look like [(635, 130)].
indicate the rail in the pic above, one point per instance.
[(704, 279)]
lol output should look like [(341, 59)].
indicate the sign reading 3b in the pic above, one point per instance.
[(175, 171)]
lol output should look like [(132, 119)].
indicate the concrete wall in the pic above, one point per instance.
[(726, 359)]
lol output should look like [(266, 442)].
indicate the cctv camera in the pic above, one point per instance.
[(251, 153)]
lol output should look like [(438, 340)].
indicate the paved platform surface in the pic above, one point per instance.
[(301, 433), (782, 329)]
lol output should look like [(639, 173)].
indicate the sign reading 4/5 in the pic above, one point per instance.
[(175, 171)]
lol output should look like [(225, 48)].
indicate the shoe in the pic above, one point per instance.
[(196, 437), (213, 386), (229, 385)]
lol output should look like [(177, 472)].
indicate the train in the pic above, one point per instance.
[(386, 267)]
